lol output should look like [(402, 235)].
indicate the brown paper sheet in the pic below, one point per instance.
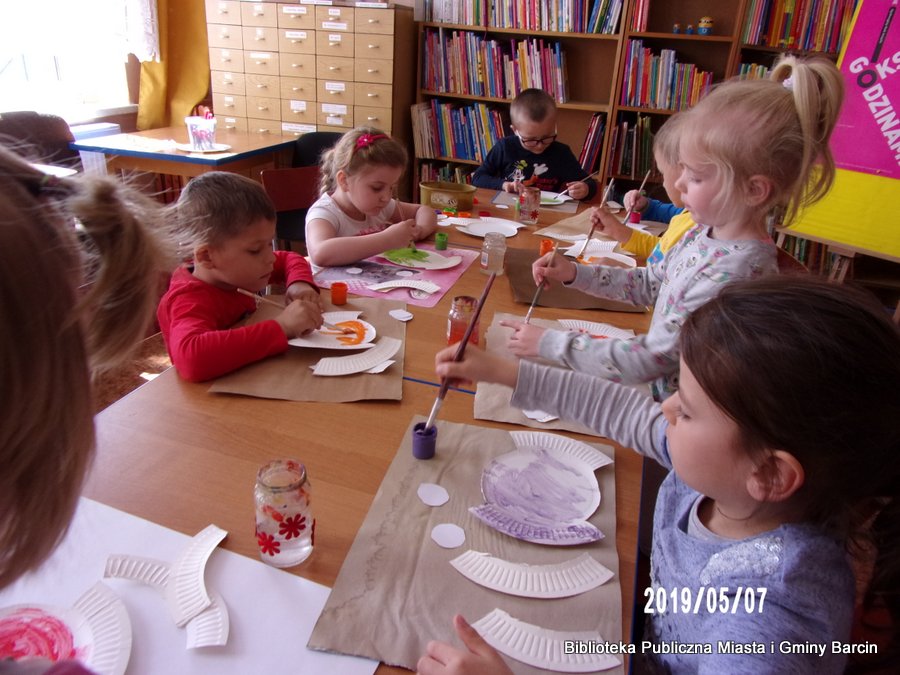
[(568, 227), (397, 589), (518, 269), (492, 401), (288, 376)]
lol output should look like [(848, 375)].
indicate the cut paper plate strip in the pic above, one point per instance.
[(401, 314), (111, 627), (146, 571), (210, 627), (186, 592), (559, 580), (541, 647), (594, 247), (325, 338), (419, 284), (478, 227), (539, 416), (562, 490), (596, 329), (420, 258), (358, 363)]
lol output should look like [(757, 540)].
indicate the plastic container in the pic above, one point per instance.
[(338, 293), (446, 195)]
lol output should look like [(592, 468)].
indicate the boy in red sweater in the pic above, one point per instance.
[(228, 222)]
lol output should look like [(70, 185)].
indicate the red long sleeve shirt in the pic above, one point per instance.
[(196, 320)]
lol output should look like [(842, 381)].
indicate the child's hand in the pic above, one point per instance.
[(476, 366), (551, 266), (577, 189), (299, 317), (606, 223), (400, 234), (300, 290), (478, 658), (525, 338), (635, 201)]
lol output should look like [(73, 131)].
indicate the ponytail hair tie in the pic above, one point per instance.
[(366, 140), (788, 83)]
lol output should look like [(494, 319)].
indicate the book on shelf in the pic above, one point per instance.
[(660, 81), (593, 141), (639, 16), (455, 173), (457, 131), (808, 25), (631, 144)]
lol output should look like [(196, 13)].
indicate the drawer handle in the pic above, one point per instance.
[(334, 67), (334, 44), (262, 108), (371, 95), (263, 131), (372, 46), (229, 105), (296, 65), (296, 41), (261, 63), (371, 119), (226, 59), (260, 38), (372, 70), (231, 128), (262, 86), (296, 88), (223, 9), (374, 21), (259, 13)]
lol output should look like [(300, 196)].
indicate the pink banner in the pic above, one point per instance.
[(867, 137)]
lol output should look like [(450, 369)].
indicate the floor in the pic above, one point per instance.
[(150, 359)]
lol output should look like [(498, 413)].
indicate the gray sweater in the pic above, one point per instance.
[(807, 578), (690, 273)]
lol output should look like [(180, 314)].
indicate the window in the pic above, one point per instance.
[(63, 57)]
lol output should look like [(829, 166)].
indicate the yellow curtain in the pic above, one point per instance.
[(172, 87)]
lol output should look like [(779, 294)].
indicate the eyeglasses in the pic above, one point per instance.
[(535, 142)]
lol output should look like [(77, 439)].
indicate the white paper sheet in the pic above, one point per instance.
[(272, 612)]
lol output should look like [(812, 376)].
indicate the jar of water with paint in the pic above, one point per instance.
[(285, 526), (461, 312)]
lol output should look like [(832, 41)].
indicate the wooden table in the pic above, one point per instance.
[(174, 454), (148, 151)]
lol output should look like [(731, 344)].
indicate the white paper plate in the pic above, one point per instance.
[(562, 490), (598, 330), (481, 226), (325, 338), (432, 261), (216, 147), (594, 247), (358, 363), (541, 647), (558, 580), (111, 626), (419, 284), (553, 198)]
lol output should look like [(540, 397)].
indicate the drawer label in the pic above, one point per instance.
[(334, 108)]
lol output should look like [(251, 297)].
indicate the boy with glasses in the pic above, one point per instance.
[(532, 156)]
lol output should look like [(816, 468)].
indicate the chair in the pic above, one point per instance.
[(309, 147), (293, 191), (40, 137)]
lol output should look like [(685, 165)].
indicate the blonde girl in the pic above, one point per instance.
[(79, 275), (781, 446), (748, 148), (357, 215)]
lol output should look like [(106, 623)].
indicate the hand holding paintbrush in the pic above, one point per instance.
[(290, 327), (583, 180)]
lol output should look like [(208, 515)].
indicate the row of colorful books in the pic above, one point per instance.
[(817, 258), (817, 25), (564, 16), (454, 173), (660, 81), (631, 149), (589, 157), (753, 71), (443, 129), (639, 12), (463, 62)]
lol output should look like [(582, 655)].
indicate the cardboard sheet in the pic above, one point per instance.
[(271, 611), (377, 269), (288, 376), (397, 589), (518, 269)]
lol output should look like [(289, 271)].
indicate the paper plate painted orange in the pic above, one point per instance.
[(358, 335)]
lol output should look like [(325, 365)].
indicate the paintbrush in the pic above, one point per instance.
[(593, 225), (593, 175), (274, 303), (537, 292), (460, 351), (640, 191)]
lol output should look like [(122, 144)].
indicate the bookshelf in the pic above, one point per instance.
[(474, 58)]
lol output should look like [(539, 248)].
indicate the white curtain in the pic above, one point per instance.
[(142, 29)]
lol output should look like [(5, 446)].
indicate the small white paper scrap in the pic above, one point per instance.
[(401, 314), (539, 416), (405, 273), (353, 270), (448, 535), (501, 206), (433, 494), (381, 367)]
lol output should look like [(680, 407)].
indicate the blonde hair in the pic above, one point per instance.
[(217, 206), (666, 140), (79, 279), (347, 157), (777, 128)]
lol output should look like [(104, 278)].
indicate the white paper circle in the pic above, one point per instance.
[(448, 535), (353, 270), (432, 494), (405, 273)]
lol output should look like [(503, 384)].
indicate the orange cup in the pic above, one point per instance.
[(338, 293), (546, 246)]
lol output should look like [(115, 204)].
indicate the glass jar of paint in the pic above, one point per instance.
[(285, 526), (461, 312), (493, 253)]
